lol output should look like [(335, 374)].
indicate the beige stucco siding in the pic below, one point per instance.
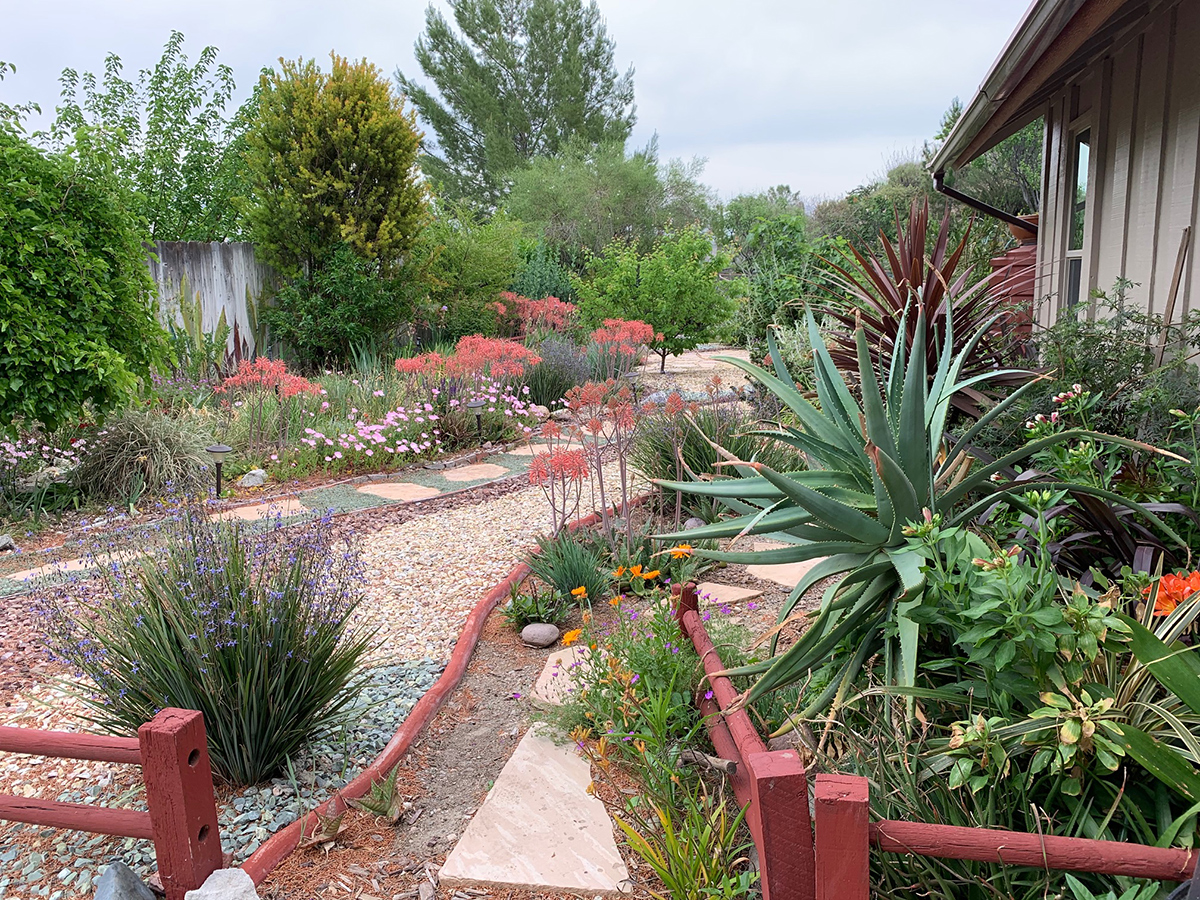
[(1141, 102)]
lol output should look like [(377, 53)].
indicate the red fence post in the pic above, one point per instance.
[(779, 801), (179, 791), (843, 849)]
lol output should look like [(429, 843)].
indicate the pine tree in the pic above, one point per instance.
[(523, 77)]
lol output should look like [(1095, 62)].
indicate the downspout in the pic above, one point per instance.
[(940, 186)]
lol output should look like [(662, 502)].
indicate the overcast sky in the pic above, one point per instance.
[(817, 94)]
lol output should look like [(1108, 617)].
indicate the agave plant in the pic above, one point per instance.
[(888, 299), (874, 469)]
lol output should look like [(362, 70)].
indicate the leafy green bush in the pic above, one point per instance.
[(346, 303), (542, 275), (253, 628), (143, 451), (567, 563), (77, 320), (525, 607)]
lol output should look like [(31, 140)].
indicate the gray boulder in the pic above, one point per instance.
[(225, 884), (7, 542), (253, 478), (119, 883), (540, 634), (693, 522)]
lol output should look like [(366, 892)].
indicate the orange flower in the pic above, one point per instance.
[(1173, 590), (636, 571), (620, 570), (580, 592), (616, 601), (571, 636), (587, 617), (681, 552), (653, 574)]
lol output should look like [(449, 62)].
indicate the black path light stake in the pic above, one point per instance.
[(218, 452), (477, 406)]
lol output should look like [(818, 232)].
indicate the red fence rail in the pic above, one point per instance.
[(829, 857), (182, 820)]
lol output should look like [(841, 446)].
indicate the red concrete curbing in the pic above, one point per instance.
[(283, 842)]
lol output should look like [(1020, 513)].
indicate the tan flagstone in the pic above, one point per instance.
[(712, 592), (786, 574), (555, 681), (288, 506), (399, 490), (476, 472), (539, 829), (68, 565)]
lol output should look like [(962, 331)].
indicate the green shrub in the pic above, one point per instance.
[(143, 451), (252, 628), (562, 367), (534, 605), (77, 321), (567, 563)]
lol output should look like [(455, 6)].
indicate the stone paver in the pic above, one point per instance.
[(476, 472), (786, 574), (726, 593), (539, 830), (555, 681), (69, 565), (529, 450), (399, 490), (288, 506)]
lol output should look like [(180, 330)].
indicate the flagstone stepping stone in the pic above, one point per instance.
[(726, 593), (539, 830), (69, 565), (476, 472), (555, 681), (786, 574), (399, 490), (529, 450), (289, 506)]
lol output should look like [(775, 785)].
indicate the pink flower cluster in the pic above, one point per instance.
[(1074, 392), (402, 431)]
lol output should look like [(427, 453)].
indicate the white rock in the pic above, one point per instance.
[(225, 884), (253, 478), (540, 634)]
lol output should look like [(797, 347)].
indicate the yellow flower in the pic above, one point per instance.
[(681, 552), (653, 574), (580, 592), (571, 636), (619, 572)]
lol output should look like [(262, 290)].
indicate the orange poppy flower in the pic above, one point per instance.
[(635, 571), (571, 636), (616, 601), (650, 575), (620, 570), (580, 592), (681, 552)]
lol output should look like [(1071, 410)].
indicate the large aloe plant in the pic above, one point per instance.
[(874, 468)]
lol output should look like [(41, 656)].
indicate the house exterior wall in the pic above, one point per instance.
[(1141, 102)]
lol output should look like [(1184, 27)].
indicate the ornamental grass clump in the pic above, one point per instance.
[(255, 628)]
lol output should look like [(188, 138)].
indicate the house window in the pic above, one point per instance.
[(1078, 214)]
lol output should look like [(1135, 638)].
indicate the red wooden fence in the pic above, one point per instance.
[(829, 857), (182, 819)]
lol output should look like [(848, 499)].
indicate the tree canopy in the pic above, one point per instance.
[(332, 159), (165, 136), (513, 83)]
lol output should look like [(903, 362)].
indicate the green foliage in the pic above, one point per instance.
[(542, 275), (346, 303), (254, 629), (562, 367), (875, 467), (567, 563), (332, 159), (77, 320), (165, 137), (673, 287), (141, 451), (534, 605), (870, 209), (734, 221), (467, 261), (522, 78), (197, 353), (383, 799)]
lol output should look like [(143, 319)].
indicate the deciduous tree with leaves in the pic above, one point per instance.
[(514, 82)]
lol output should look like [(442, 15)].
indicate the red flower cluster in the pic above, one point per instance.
[(1173, 590), (422, 364), (625, 335), (268, 375), (561, 465), (548, 313), (474, 355)]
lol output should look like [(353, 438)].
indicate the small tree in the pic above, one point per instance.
[(77, 321), (332, 160), (674, 288)]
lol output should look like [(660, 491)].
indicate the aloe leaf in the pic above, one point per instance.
[(846, 519)]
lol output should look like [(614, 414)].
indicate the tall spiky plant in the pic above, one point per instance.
[(874, 469)]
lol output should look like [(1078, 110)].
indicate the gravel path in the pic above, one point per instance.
[(424, 577)]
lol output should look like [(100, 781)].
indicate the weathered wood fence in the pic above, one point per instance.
[(182, 820), (222, 275), (826, 856)]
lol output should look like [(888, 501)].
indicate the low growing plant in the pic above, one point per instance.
[(256, 629)]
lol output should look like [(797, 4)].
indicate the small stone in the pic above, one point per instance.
[(425, 891), (562, 415), (225, 884), (539, 411), (540, 634), (7, 542), (253, 478), (693, 522), (119, 883)]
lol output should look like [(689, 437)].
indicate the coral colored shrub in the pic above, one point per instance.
[(267, 374), (524, 315), (475, 359), (616, 347)]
